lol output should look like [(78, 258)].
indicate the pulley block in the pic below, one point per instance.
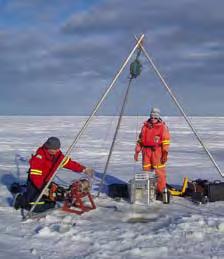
[(135, 68)]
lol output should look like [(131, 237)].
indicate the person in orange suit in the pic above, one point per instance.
[(42, 166), (153, 143)]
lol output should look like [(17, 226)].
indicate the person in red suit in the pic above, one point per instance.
[(153, 143), (42, 166)]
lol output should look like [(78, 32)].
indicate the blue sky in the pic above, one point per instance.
[(58, 57)]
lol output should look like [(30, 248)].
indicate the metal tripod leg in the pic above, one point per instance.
[(115, 136), (180, 108), (87, 121)]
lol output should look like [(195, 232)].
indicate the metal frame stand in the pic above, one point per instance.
[(144, 185), (138, 44)]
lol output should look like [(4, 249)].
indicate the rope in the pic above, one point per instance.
[(115, 136), (135, 70), (139, 50), (136, 138), (104, 144)]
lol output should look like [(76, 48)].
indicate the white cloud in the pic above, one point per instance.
[(85, 48)]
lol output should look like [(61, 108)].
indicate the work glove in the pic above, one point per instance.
[(136, 156), (138, 149), (88, 171), (164, 157), (46, 192)]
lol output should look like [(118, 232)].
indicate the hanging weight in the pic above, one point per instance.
[(135, 68)]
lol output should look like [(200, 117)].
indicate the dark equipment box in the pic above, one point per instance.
[(204, 190), (215, 191), (118, 191)]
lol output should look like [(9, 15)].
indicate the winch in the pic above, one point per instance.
[(76, 199)]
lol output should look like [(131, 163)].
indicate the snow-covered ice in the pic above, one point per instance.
[(180, 229)]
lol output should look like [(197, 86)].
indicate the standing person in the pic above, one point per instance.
[(153, 143), (42, 166)]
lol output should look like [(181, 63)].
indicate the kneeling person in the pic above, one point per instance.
[(42, 166)]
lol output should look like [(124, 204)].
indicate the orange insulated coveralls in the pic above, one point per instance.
[(153, 142)]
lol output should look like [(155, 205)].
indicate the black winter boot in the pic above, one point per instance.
[(159, 196), (17, 201)]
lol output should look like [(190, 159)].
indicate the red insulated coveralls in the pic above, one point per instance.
[(153, 142), (43, 165)]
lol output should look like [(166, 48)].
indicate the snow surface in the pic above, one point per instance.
[(180, 229)]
